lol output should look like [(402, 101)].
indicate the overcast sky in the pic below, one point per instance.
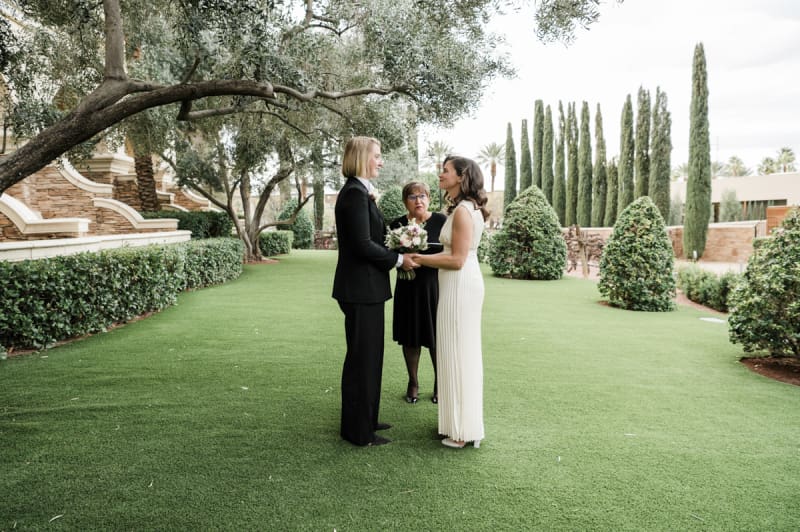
[(752, 52)]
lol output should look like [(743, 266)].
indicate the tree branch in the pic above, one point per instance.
[(115, 42), (363, 91)]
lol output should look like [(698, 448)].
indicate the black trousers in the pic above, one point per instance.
[(362, 372)]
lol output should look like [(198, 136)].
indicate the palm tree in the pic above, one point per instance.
[(785, 160), (736, 167), (436, 152), (682, 170), (491, 154), (717, 168), (768, 165)]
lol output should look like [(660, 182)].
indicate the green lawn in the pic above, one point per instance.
[(222, 413)]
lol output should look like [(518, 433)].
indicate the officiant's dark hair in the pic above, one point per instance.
[(471, 184), (413, 186)]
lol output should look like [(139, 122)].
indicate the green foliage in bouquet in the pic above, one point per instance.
[(530, 244), (637, 262), (765, 305)]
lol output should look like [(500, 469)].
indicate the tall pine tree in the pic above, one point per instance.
[(599, 173), (547, 156), (525, 171), (642, 157), (510, 188), (559, 202), (538, 142), (572, 166), (584, 212), (626, 149), (612, 191), (698, 184), (660, 158)]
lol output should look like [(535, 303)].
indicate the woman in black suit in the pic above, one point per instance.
[(361, 286), (415, 300)]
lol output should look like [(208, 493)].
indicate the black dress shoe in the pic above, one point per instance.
[(379, 440), (382, 426)]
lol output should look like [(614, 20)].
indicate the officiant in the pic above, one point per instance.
[(415, 300)]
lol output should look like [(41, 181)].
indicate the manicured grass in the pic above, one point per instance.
[(222, 413)]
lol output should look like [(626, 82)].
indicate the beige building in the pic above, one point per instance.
[(754, 192)]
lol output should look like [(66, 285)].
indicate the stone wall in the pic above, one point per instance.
[(9, 232), (49, 193), (731, 242)]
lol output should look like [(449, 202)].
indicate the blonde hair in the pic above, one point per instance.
[(356, 156)]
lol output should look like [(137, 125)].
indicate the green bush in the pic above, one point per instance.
[(391, 204), (46, 300), (273, 243), (483, 247), (707, 288), (530, 244), (302, 227), (637, 261), (765, 305), (202, 224)]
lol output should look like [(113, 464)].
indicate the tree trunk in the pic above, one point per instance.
[(146, 182), (252, 251)]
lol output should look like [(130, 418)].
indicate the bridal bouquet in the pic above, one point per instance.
[(409, 238)]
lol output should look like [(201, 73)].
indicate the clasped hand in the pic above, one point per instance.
[(408, 262)]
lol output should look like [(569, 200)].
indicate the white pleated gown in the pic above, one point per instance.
[(458, 338)]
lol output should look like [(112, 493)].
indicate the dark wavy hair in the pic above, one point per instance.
[(471, 184)]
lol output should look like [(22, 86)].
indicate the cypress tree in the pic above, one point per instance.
[(599, 173), (584, 212), (612, 191), (626, 148), (698, 184), (642, 157), (525, 171), (510, 188), (571, 215), (660, 160), (538, 142), (559, 185), (547, 156)]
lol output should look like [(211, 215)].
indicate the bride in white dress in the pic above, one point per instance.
[(458, 322)]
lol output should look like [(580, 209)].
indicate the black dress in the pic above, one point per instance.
[(414, 313)]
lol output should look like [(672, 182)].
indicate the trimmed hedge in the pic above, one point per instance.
[(530, 244), (765, 305), (273, 243), (48, 300), (637, 261), (707, 288), (202, 224), (391, 204), (302, 227)]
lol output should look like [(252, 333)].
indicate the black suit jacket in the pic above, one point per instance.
[(362, 272)]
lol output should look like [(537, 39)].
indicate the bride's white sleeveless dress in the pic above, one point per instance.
[(458, 338)]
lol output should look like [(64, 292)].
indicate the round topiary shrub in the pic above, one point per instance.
[(391, 204), (302, 227), (765, 304), (530, 244), (637, 261)]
